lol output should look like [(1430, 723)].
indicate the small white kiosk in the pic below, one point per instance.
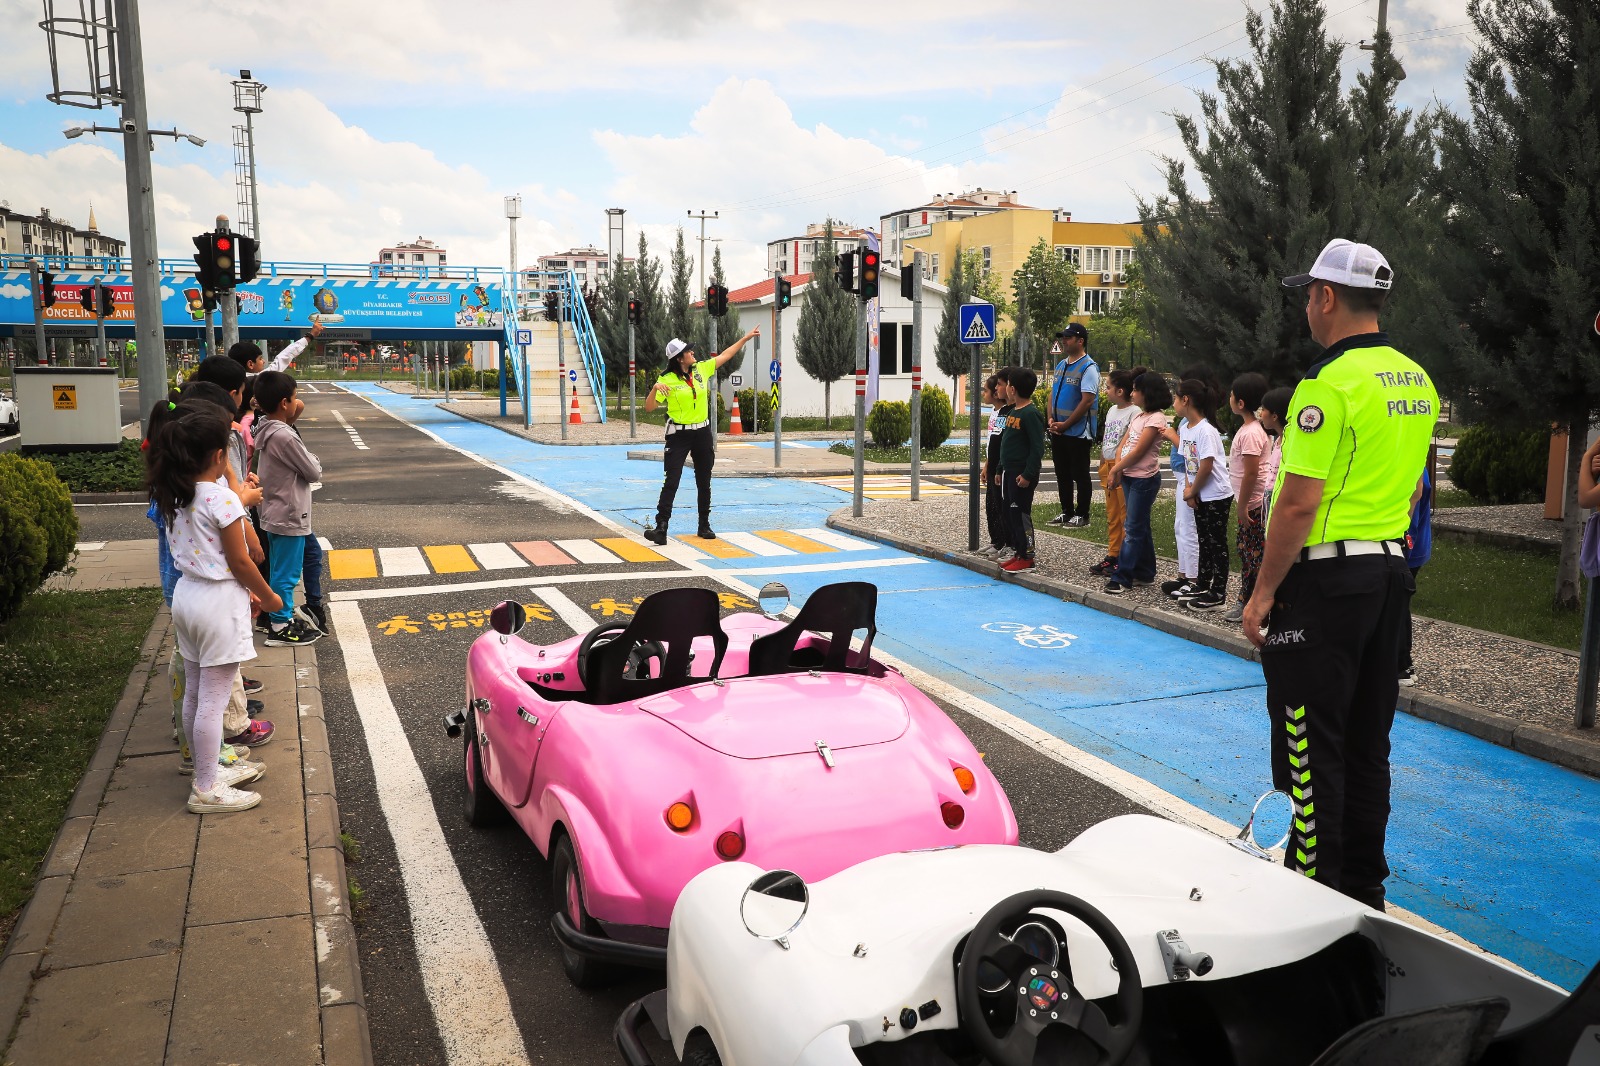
[(68, 408)]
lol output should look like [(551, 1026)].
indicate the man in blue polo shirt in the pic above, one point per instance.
[(1070, 420)]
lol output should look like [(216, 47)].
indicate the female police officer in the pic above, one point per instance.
[(686, 390)]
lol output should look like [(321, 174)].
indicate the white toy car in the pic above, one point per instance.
[(1142, 941), (9, 420)]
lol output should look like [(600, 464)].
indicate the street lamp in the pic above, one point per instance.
[(74, 132), (247, 101)]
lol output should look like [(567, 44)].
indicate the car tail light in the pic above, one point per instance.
[(730, 845), (679, 817), (953, 814), (965, 780)]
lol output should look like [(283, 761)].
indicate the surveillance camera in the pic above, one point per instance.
[(128, 125)]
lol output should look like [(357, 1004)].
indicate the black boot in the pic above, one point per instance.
[(656, 534), (705, 530)]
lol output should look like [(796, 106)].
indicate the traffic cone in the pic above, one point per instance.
[(735, 422), (575, 418)]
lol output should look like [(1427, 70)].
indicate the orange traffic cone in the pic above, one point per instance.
[(575, 418), (735, 422)]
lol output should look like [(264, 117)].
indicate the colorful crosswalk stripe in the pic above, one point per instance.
[(449, 559), (630, 551), (717, 549), (586, 551), (793, 541), (349, 564), (402, 562), (836, 540), (542, 553), (756, 545), (496, 556)]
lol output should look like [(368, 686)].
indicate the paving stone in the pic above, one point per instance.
[(114, 1012), (148, 771), (142, 829), (277, 955), (86, 797), (151, 732), (252, 864), (313, 734), (125, 916), (67, 849), (38, 918)]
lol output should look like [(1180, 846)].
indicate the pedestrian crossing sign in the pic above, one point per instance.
[(977, 323)]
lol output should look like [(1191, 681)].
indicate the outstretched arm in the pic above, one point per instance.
[(733, 349)]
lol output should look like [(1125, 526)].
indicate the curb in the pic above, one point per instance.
[(1493, 538), (109, 497), (24, 953), (1540, 742), (928, 469)]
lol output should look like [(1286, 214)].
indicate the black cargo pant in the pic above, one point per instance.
[(680, 445), (1017, 508), (1332, 661), (1070, 457)]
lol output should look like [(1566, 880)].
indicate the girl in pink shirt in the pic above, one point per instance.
[(1137, 470)]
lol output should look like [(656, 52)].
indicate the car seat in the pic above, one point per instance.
[(1554, 1037), (835, 611), (672, 617), (1455, 1034)]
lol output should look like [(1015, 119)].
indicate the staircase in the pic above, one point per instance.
[(551, 398)]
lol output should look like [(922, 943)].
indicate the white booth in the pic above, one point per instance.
[(68, 408)]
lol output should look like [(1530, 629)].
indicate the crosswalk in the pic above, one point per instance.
[(886, 486), (354, 564)]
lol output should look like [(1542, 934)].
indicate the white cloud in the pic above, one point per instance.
[(14, 292)]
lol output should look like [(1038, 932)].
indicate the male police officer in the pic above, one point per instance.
[(1334, 590)]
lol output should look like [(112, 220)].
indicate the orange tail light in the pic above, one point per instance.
[(965, 780), (679, 817)]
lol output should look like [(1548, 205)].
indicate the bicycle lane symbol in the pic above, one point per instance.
[(1033, 636)]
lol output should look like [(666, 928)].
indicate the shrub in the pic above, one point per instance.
[(121, 470), (889, 422), (755, 408), (463, 378), (936, 416), (1501, 466), (32, 483), (22, 554)]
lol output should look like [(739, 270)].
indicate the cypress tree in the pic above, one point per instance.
[(680, 320), (825, 340), (949, 354)]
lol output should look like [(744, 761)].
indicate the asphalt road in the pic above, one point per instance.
[(405, 490)]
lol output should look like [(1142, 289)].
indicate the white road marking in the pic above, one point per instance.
[(402, 562), (752, 543), (837, 540), (499, 583), (91, 545), (586, 551), (456, 960), (348, 428), (816, 568), (565, 609), (678, 551), (324, 544), (497, 556)]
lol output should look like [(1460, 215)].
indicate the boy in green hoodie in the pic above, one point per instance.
[(1021, 453)]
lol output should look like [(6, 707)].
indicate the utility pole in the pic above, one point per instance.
[(861, 397), (228, 299), (702, 216), (35, 281), (513, 212), (1397, 72), (143, 264), (916, 375), (561, 356)]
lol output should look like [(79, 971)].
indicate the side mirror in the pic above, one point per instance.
[(508, 618), (774, 906), (774, 598), (1248, 842)]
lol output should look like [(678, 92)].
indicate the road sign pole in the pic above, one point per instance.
[(444, 356), (561, 358), (41, 354), (916, 375), (99, 323), (777, 388), (974, 413), (859, 490), (755, 393)]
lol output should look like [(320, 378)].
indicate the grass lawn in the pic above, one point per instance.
[(944, 453), (1501, 590), (52, 712)]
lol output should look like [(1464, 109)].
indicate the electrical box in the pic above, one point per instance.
[(68, 408)]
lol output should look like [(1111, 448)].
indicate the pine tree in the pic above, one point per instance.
[(650, 336), (949, 354), (1520, 254), (680, 319), (609, 312), (825, 340)]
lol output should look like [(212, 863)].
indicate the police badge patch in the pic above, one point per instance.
[(1310, 419)]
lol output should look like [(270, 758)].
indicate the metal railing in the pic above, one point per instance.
[(171, 267), (537, 283)]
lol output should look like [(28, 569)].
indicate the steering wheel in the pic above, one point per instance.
[(1045, 996), (601, 634)]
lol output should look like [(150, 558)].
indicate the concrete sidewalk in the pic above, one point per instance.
[(158, 936)]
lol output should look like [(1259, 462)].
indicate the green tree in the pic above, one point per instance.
[(1117, 334), (986, 284), (728, 329), (1521, 246), (610, 314), (825, 340), (652, 335), (949, 354), (679, 303), (1046, 287)]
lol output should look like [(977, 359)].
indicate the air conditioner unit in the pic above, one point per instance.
[(1105, 277), (1122, 279)]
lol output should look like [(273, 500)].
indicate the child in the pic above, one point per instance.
[(1246, 465), (1137, 470), (1119, 387), (188, 464), (994, 516), (1207, 494), (1184, 529), (1021, 453), (1273, 415), (286, 469), (1419, 549)]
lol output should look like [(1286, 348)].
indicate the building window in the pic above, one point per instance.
[(1096, 260), (1094, 300), (889, 349), (1121, 257), (988, 258), (933, 267), (1068, 254)]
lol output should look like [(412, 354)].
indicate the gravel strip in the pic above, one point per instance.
[(1533, 684), (1522, 520)]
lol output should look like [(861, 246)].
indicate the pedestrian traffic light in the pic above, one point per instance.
[(249, 259), (869, 275), (86, 298), (108, 302), (225, 260), (716, 299), (845, 273), (782, 290), (550, 309), (47, 289), (636, 311), (908, 280)]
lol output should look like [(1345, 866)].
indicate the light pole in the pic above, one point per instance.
[(513, 212), (702, 216), (247, 101)]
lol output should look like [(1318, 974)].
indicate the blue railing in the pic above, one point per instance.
[(103, 264), (536, 283)]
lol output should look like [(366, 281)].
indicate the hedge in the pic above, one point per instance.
[(38, 529), (1501, 466)]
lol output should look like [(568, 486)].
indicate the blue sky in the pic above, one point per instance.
[(416, 118)]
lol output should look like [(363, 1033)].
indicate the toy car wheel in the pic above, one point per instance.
[(481, 806), (700, 1051), (566, 890)]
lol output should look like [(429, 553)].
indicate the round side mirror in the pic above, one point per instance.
[(508, 618), (1278, 812), (774, 598), (774, 906)]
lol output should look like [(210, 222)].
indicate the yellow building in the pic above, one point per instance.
[(1004, 232)]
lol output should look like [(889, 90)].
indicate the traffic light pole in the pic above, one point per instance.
[(861, 408), (633, 404), (211, 345), (711, 343), (142, 247), (36, 283), (561, 360), (916, 375), (777, 386), (99, 323), (228, 300)]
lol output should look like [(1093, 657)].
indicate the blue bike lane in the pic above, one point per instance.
[(1487, 842)]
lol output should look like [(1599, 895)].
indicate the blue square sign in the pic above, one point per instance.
[(977, 323), (524, 336)]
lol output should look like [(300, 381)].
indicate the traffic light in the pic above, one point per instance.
[(249, 259), (636, 311), (845, 273), (716, 299), (86, 298), (908, 280), (47, 289), (550, 309), (781, 293), (108, 302), (205, 262), (225, 259), (869, 275)]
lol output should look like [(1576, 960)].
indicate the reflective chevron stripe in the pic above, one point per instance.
[(1304, 842)]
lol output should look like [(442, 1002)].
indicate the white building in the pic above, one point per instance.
[(803, 394), (793, 255), (411, 258), (590, 264)]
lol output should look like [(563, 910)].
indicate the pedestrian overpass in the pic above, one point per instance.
[(358, 302)]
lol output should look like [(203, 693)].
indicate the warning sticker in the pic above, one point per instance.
[(66, 397)]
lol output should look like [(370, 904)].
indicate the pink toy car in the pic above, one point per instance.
[(637, 756)]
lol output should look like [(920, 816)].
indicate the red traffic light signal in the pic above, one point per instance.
[(224, 244), (636, 311), (716, 299), (869, 275)]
